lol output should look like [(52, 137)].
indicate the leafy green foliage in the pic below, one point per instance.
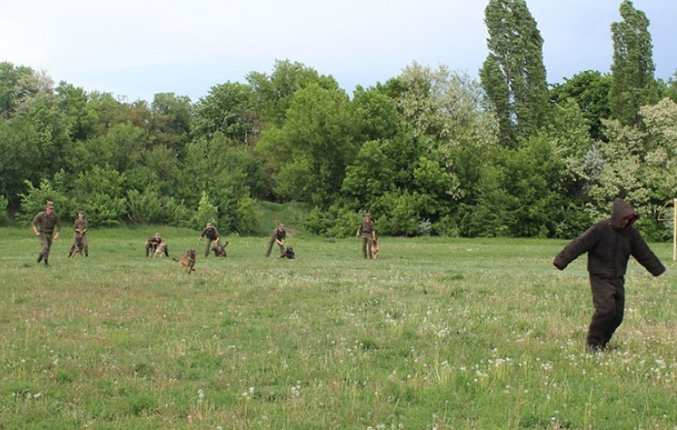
[(228, 109), (4, 217), (146, 207), (513, 74), (274, 92), (35, 199), (633, 83), (206, 212), (401, 212), (100, 193), (172, 119), (428, 152), (590, 90), (312, 149), (639, 165)]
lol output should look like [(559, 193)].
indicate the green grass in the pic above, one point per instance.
[(437, 334), (270, 213)]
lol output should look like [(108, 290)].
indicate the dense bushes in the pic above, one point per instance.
[(421, 152)]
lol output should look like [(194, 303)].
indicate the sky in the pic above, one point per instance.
[(135, 49)]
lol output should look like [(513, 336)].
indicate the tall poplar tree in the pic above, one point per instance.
[(633, 68), (513, 75)]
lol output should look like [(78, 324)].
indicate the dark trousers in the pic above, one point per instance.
[(608, 297)]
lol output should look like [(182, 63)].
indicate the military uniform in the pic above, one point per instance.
[(212, 235), (153, 242), (47, 225), (367, 232), (80, 227), (279, 235)]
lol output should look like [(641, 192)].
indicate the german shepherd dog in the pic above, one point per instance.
[(78, 247), (219, 250), (160, 249), (374, 248), (187, 260)]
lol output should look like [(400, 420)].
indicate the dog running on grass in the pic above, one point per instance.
[(187, 260)]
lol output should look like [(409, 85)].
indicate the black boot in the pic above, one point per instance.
[(39, 257), (46, 263)]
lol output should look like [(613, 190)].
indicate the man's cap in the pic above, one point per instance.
[(50, 204)]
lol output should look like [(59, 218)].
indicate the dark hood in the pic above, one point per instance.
[(620, 210)]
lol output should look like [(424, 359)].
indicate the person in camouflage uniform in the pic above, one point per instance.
[(212, 235), (152, 244), (47, 226), (279, 235), (80, 243), (367, 232)]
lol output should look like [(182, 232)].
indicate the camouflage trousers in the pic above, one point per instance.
[(272, 241), (209, 245), (46, 240), (366, 247)]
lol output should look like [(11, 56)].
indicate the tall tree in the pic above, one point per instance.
[(513, 75), (633, 68)]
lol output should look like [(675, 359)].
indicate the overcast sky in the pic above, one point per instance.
[(137, 48)]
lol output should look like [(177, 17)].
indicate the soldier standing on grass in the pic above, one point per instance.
[(47, 226), (609, 245), (367, 232)]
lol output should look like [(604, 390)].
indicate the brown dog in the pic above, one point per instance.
[(78, 247), (187, 260), (160, 249), (374, 248), (219, 250)]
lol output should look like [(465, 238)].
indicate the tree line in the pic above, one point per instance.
[(430, 151)]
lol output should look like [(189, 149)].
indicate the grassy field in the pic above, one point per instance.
[(437, 334)]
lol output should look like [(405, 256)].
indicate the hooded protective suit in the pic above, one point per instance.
[(609, 245)]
